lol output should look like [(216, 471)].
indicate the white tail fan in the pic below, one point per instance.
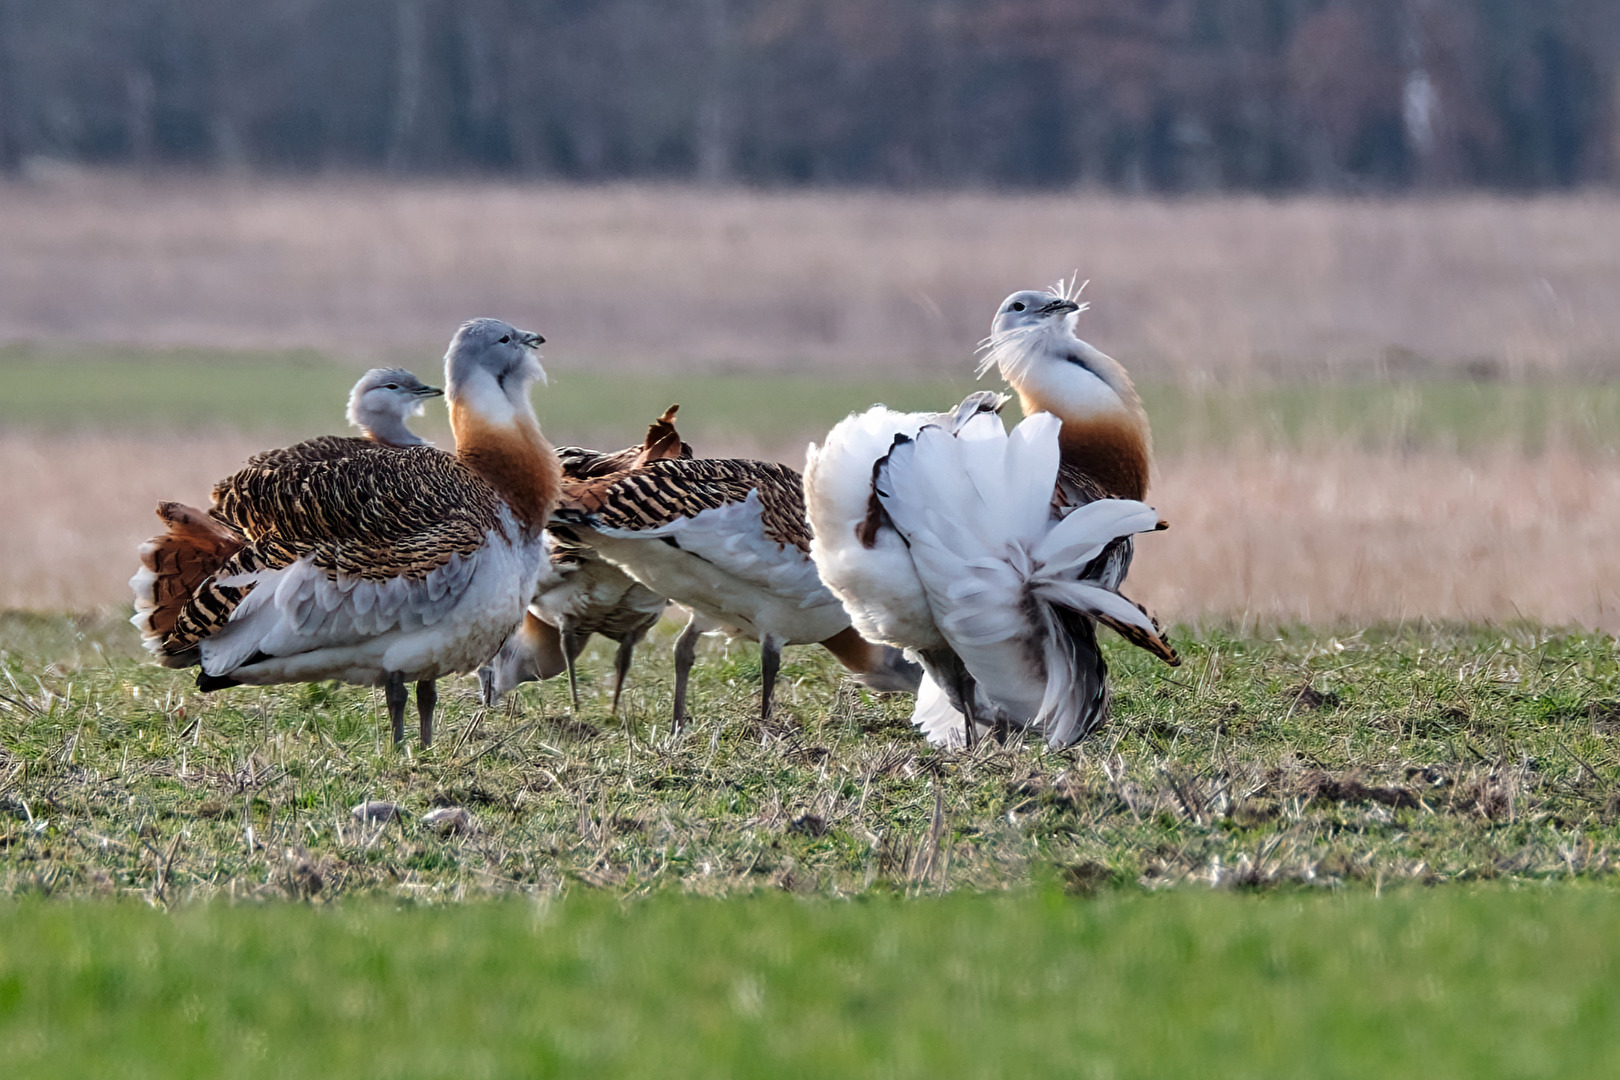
[(1004, 579)]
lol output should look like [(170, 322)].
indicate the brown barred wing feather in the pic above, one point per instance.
[(662, 441), (375, 514), (662, 492), (378, 513)]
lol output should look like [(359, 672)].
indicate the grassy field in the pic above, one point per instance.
[(1469, 983), (1419, 755), (292, 394), (1233, 880)]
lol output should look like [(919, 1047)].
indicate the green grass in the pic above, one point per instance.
[(1483, 982), (296, 394), (1228, 881), (1292, 759)]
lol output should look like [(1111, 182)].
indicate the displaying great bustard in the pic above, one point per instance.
[(372, 564), (383, 400), (582, 593), (992, 556), (726, 538)]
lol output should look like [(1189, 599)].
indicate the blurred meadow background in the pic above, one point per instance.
[(1365, 409), (1362, 258)]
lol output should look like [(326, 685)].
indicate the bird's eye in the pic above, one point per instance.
[(392, 386), (505, 338), (1018, 305)]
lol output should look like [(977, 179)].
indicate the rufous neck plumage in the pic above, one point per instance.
[(500, 440)]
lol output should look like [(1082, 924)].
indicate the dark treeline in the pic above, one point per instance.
[(1158, 95)]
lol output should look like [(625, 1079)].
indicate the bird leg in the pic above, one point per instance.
[(427, 696), (685, 654), (967, 690), (573, 643), (953, 677), (770, 662), (394, 694), (621, 667)]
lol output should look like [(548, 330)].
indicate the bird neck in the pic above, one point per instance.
[(390, 430), (510, 453), (1105, 432)]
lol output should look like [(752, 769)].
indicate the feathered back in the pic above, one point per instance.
[(374, 513), (662, 492), (358, 509)]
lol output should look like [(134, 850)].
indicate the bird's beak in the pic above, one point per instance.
[(529, 340), (1059, 307), (427, 391)]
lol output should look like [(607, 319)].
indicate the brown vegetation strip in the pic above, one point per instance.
[(1319, 537), (1349, 535), (674, 277)]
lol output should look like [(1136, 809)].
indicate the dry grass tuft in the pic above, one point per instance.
[(1348, 535)]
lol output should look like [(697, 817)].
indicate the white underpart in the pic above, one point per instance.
[(724, 567), (878, 585), (314, 628), (936, 717), (589, 591)]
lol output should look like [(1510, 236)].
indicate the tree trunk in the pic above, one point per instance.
[(11, 151), (715, 116), (410, 41)]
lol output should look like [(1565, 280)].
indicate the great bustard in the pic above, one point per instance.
[(582, 593), (348, 559), (383, 400), (726, 538), (930, 531)]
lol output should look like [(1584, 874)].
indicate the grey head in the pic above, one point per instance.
[(488, 354), (1031, 308), (1029, 324), (383, 399)]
